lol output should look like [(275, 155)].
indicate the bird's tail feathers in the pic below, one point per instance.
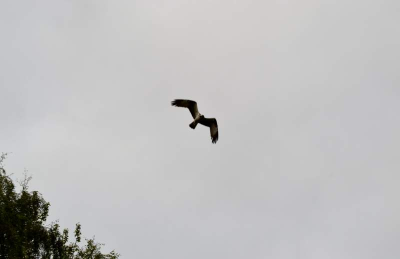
[(193, 124)]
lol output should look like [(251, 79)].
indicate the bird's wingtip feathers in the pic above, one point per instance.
[(214, 139)]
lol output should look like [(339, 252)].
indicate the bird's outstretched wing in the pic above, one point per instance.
[(212, 123), (191, 105)]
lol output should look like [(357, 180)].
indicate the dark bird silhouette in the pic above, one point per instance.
[(198, 118)]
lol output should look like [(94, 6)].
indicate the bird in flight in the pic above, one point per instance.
[(198, 118)]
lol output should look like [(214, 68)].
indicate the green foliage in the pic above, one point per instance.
[(23, 233)]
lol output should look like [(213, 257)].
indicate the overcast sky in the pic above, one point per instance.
[(307, 98)]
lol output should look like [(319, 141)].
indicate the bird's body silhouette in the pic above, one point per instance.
[(198, 118)]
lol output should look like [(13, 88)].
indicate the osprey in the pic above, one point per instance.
[(198, 118)]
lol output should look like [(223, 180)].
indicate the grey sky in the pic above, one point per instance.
[(307, 98)]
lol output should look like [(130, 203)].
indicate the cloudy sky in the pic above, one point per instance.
[(307, 98)]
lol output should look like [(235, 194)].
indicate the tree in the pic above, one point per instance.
[(23, 233)]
